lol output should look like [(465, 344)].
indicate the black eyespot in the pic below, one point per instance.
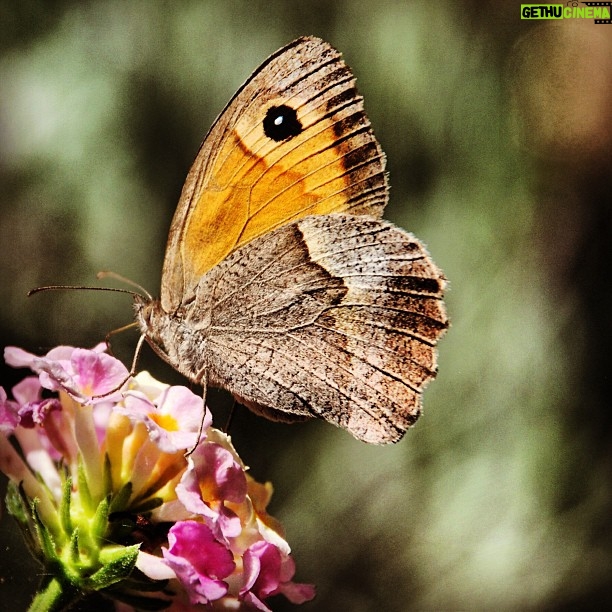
[(281, 123)]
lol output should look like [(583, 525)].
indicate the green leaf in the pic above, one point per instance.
[(117, 564)]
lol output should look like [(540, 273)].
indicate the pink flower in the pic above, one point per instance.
[(34, 411), (29, 410), (28, 390), (173, 419), (115, 467), (213, 476), (85, 374), (37, 413), (268, 572), (199, 561), (9, 414)]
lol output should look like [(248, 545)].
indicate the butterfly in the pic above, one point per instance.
[(281, 283)]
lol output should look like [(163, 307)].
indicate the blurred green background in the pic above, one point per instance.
[(498, 133)]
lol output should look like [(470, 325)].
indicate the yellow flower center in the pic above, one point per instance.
[(166, 421)]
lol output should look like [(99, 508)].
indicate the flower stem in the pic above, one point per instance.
[(54, 596)]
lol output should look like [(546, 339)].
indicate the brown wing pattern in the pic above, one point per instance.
[(334, 316)]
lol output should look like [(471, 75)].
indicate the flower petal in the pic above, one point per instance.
[(9, 414), (199, 561)]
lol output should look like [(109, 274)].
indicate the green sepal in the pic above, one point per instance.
[(18, 506), (120, 501), (47, 543), (75, 556), (16, 503), (117, 564), (133, 591), (147, 506), (64, 510), (84, 492), (107, 475), (99, 523)]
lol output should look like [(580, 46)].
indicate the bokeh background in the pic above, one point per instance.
[(498, 133)]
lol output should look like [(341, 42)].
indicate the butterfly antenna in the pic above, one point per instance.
[(82, 288), (137, 352), (132, 371), (142, 293), (123, 279)]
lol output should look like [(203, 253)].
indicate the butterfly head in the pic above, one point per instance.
[(153, 322), (170, 337)]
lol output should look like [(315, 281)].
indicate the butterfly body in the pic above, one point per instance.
[(281, 283)]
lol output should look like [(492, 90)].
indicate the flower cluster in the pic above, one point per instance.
[(111, 500)]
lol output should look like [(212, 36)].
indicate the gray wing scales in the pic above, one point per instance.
[(334, 316)]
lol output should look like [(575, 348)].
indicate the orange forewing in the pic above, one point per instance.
[(253, 194), (244, 184)]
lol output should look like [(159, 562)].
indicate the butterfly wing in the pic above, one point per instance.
[(334, 316), (293, 141)]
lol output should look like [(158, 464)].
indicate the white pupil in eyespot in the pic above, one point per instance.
[(278, 120)]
